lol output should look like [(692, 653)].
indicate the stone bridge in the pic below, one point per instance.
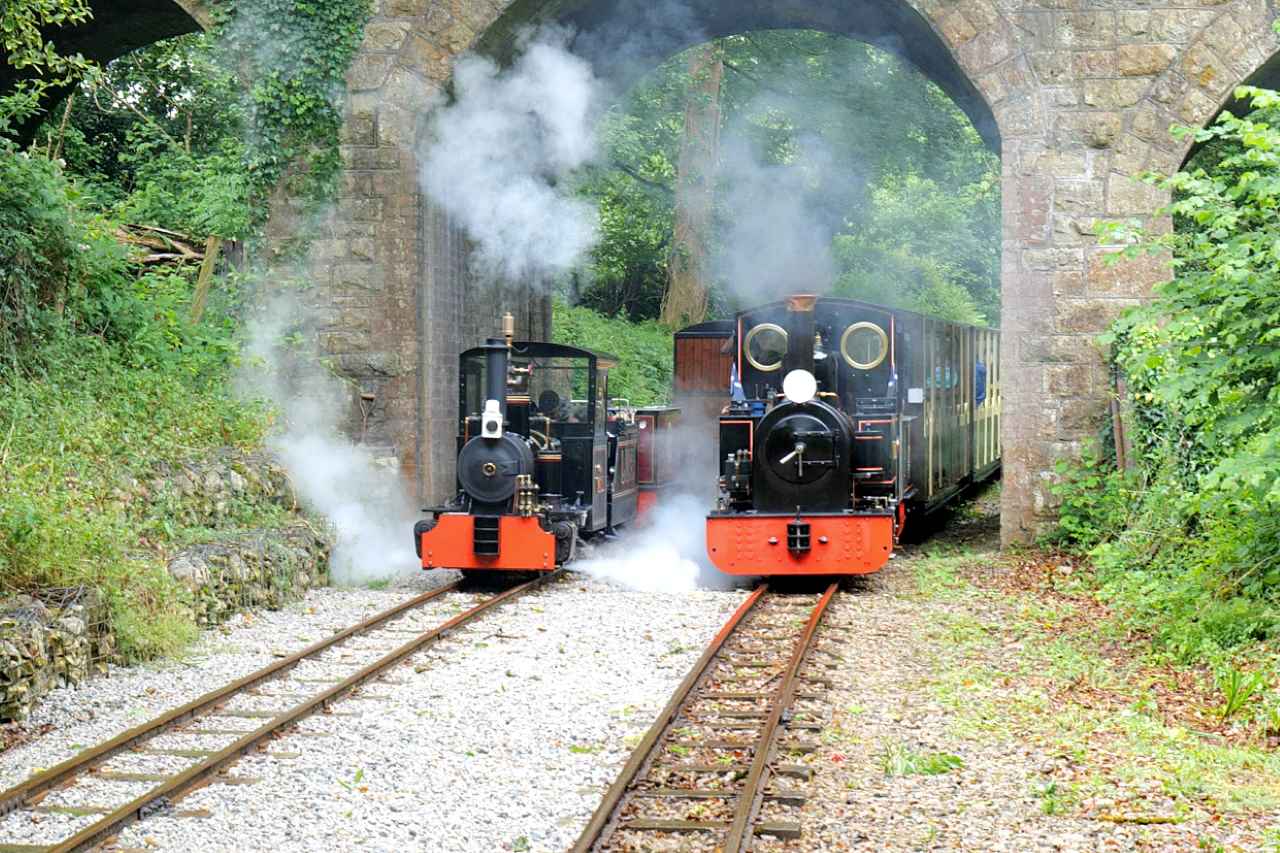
[(1076, 96)]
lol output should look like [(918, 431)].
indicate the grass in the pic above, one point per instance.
[(1019, 668), (898, 759), (80, 427)]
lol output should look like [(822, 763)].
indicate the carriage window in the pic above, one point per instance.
[(765, 346), (864, 345)]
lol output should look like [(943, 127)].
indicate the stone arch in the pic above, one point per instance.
[(116, 28), (972, 49), (1234, 45)]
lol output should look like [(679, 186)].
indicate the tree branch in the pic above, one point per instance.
[(639, 178)]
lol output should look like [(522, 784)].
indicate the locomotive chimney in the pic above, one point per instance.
[(800, 329), (495, 373)]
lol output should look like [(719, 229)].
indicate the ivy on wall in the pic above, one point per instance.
[(294, 55)]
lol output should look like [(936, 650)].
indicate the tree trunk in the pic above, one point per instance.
[(688, 269)]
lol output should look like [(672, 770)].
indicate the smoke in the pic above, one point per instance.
[(361, 497), (667, 552), (778, 240), (502, 149)]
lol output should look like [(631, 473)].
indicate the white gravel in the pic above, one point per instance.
[(501, 737)]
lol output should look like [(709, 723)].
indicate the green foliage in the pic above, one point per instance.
[(78, 426), (644, 350), (1097, 500), (102, 377), (296, 54), (56, 262), (898, 759), (1237, 689), (1193, 556), (39, 65), (915, 210), (196, 133)]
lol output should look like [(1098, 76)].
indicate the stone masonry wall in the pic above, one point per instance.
[(1083, 93)]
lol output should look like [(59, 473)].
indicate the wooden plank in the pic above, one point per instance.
[(799, 771), (778, 829), (715, 744), (687, 793), (114, 776), (644, 824), (701, 768), (180, 753)]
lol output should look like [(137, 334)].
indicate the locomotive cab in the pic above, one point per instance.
[(537, 458)]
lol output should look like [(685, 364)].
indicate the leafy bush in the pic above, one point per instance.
[(1097, 500), (645, 350), (1193, 557), (56, 262)]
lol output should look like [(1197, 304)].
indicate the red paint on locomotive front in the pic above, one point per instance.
[(523, 546), (839, 545)]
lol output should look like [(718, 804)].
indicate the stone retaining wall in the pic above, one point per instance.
[(258, 568), (61, 637)]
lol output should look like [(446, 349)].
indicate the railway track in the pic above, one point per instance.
[(719, 762), (238, 730)]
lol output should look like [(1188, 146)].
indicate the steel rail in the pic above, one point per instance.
[(749, 798), (177, 785), (595, 830), (17, 796)]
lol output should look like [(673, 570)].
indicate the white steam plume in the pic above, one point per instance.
[(364, 502), (500, 149), (667, 552), (777, 239)]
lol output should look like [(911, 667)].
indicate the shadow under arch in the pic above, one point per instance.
[(626, 38), (116, 28), (1266, 76)]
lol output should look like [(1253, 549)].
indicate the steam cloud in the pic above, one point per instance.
[(668, 551), (777, 241), (364, 502), (501, 149)]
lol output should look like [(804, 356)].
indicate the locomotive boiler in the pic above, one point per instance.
[(842, 419), (542, 459)]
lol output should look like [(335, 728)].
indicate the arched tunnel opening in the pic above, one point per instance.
[(869, 132)]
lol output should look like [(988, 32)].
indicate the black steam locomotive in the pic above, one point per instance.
[(841, 417), (542, 459)]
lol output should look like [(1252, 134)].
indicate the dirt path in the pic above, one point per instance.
[(969, 718)]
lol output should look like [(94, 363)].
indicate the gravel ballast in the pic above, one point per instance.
[(503, 736)]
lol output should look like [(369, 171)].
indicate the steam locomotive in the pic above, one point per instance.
[(843, 419), (542, 459)]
